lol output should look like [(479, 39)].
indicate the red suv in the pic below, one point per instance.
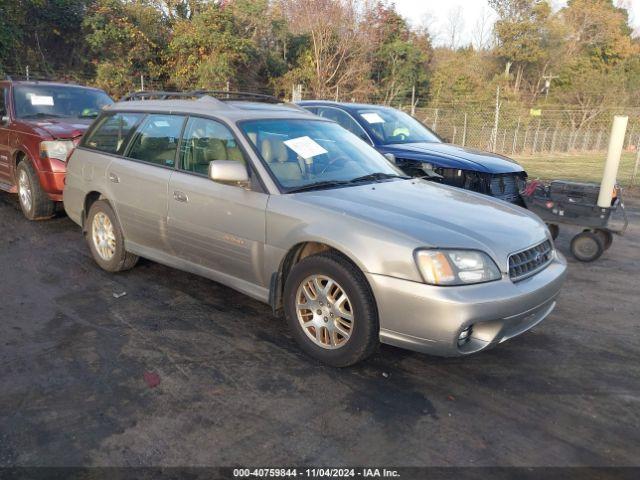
[(40, 123)]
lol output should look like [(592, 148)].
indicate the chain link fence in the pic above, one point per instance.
[(529, 132), (512, 129)]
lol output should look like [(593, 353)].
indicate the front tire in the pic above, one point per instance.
[(106, 240), (34, 201), (330, 310)]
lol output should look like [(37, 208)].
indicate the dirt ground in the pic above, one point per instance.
[(79, 373)]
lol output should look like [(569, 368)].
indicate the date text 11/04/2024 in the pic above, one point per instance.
[(316, 473)]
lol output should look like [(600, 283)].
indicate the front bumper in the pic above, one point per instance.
[(52, 178), (430, 319)]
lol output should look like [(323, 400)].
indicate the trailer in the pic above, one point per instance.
[(574, 203)]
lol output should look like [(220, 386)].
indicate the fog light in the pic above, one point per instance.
[(465, 335)]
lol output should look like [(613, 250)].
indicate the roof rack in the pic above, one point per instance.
[(35, 79), (217, 94)]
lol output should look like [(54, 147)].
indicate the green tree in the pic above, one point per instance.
[(400, 57), (600, 68), (520, 31), (209, 50), (126, 40), (44, 35)]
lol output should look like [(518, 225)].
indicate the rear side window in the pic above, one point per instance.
[(112, 132), (156, 141)]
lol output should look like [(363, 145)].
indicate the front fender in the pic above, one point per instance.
[(290, 222)]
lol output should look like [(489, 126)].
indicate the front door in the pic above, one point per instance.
[(217, 226), (5, 174), (140, 181)]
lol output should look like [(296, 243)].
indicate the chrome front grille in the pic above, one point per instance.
[(529, 262)]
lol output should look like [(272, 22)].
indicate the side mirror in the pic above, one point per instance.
[(228, 171)]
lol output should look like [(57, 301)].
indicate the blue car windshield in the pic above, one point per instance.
[(303, 154), (58, 101), (391, 126)]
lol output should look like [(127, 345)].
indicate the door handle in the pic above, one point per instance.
[(114, 178), (180, 196)]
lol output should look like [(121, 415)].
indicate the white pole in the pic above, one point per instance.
[(413, 101), (616, 143), (635, 168), (494, 133)]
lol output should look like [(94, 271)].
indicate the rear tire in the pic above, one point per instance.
[(587, 246), (606, 237), (34, 201), (106, 240), (336, 323)]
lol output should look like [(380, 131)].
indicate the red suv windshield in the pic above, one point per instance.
[(61, 101)]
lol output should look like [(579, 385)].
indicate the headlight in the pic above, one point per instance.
[(456, 267), (58, 149)]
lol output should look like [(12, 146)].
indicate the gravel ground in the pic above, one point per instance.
[(184, 371)]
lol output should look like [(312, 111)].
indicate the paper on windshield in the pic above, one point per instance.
[(305, 147), (42, 100), (372, 117)]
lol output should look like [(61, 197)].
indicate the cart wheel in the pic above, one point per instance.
[(587, 246), (554, 230), (606, 237)]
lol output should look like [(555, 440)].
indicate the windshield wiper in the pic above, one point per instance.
[(43, 115), (319, 185), (377, 177)]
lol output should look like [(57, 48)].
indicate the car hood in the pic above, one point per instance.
[(60, 127), (453, 156), (434, 215)]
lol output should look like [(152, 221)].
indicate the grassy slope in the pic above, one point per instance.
[(583, 167)]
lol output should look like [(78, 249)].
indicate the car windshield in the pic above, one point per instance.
[(389, 126), (58, 101), (309, 154)]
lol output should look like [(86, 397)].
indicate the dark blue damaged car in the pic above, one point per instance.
[(421, 153)]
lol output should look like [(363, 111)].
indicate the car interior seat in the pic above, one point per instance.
[(159, 150), (275, 154)]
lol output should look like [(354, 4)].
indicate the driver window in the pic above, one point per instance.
[(344, 120), (205, 141)]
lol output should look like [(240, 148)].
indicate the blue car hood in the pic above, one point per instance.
[(453, 156)]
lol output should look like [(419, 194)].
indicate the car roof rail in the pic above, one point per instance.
[(217, 94), (40, 78)]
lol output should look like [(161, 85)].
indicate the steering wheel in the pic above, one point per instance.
[(332, 162)]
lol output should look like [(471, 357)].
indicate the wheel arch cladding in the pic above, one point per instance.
[(296, 254)]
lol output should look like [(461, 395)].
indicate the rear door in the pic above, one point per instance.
[(139, 181), (217, 226)]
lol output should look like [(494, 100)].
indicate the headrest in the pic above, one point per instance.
[(154, 143), (273, 151)]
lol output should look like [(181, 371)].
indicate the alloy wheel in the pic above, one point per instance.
[(324, 312), (103, 235), (24, 191)]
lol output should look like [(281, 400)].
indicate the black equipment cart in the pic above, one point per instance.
[(573, 203)]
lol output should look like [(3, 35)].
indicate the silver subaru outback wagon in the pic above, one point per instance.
[(297, 212)]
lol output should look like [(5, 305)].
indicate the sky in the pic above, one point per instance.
[(436, 13)]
